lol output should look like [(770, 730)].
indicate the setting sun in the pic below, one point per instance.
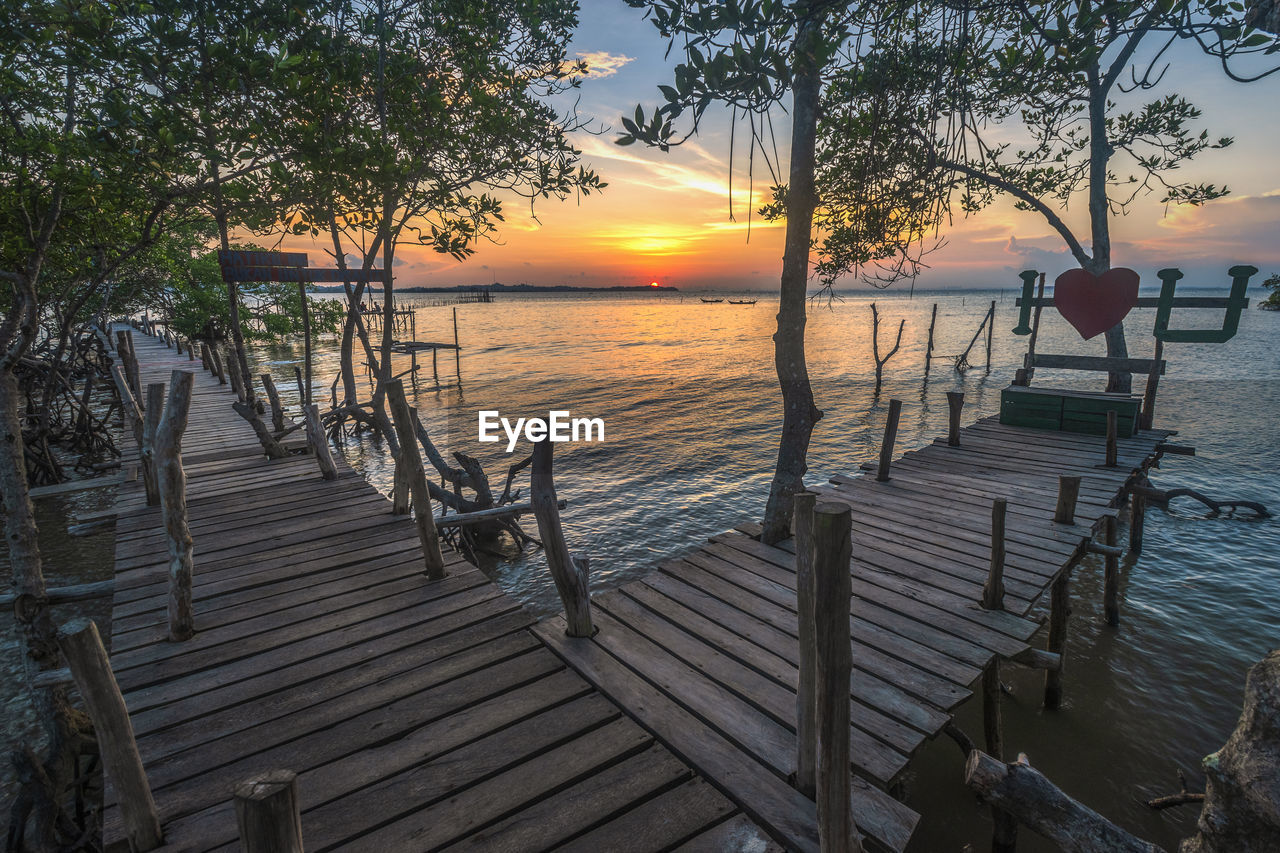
[(654, 284)]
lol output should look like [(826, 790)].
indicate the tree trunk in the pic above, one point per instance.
[(1100, 152), (799, 414)]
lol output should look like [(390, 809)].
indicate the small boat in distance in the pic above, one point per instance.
[(713, 300), (742, 301)]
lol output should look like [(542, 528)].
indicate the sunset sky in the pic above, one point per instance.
[(667, 217)]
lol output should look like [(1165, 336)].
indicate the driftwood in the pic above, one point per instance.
[(1164, 496), (875, 343), (173, 504), (418, 490), (320, 443), (962, 360), (273, 396), (270, 445), (569, 573)]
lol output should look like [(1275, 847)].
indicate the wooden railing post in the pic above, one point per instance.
[(173, 504), (1004, 832), (570, 574), (832, 525), (806, 689), (890, 436), (1112, 434), (1153, 384), (1137, 520), (993, 592), (320, 443), (191, 351), (418, 490), (268, 813), (151, 420), (206, 359), (1059, 610), (955, 404), (273, 397), (130, 411), (1111, 587), (215, 358), (1068, 494), (237, 380), (82, 646)]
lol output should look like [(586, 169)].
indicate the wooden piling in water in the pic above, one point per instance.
[(806, 686), (993, 591), (569, 573), (1111, 584), (273, 397), (832, 526), (890, 436), (928, 350), (320, 443), (87, 659), (1153, 384), (1004, 831), (457, 357), (268, 813), (302, 388), (1137, 520), (173, 504), (1059, 611), (991, 327), (1068, 494), (433, 560), (955, 404)]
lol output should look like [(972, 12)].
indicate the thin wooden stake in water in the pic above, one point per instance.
[(993, 592), (173, 504), (268, 814), (569, 573), (1111, 587), (832, 526), (418, 490), (955, 404), (457, 351), (806, 690), (1059, 610), (928, 351), (890, 436), (991, 328), (1068, 493), (1112, 433), (87, 659), (1137, 519), (1004, 831)]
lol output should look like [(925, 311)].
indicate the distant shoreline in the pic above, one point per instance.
[(512, 288)]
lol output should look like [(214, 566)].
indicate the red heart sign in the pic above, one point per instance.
[(1093, 303)]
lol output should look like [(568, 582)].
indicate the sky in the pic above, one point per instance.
[(684, 217)]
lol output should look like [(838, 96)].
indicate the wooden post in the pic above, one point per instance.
[(418, 491), (1027, 373), (457, 351), (435, 369), (569, 573), (237, 381), (1004, 832), (991, 327), (273, 396), (955, 403), (268, 814), (191, 352), (155, 405), (130, 411), (806, 689), (832, 525), (87, 659), (302, 388), (173, 504), (1153, 384), (1111, 588), (1068, 494), (319, 443), (890, 436), (206, 357), (1137, 519), (399, 489), (993, 592), (1059, 610), (928, 351), (1112, 433), (306, 340), (215, 358)]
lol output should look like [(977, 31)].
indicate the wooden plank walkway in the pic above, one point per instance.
[(704, 651), (417, 715)]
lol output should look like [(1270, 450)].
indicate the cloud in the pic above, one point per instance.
[(602, 63)]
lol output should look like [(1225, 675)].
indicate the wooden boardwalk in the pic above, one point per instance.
[(704, 652), (417, 715)]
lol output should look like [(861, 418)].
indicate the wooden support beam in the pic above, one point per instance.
[(993, 591), (155, 405), (1113, 432), (806, 691), (1153, 385), (1175, 449), (1111, 585), (67, 594), (571, 575), (82, 646), (320, 443), (268, 813), (1038, 659), (1004, 830), (832, 547), (433, 560), (1068, 494), (1137, 520), (1059, 611), (890, 436), (173, 504), (955, 404)]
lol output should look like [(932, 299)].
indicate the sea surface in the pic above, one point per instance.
[(691, 408)]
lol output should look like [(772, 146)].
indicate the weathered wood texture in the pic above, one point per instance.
[(416, 714)]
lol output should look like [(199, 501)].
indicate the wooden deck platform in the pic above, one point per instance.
[(704, 652), (417, 715)]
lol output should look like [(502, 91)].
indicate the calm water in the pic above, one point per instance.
[(690, 403)]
